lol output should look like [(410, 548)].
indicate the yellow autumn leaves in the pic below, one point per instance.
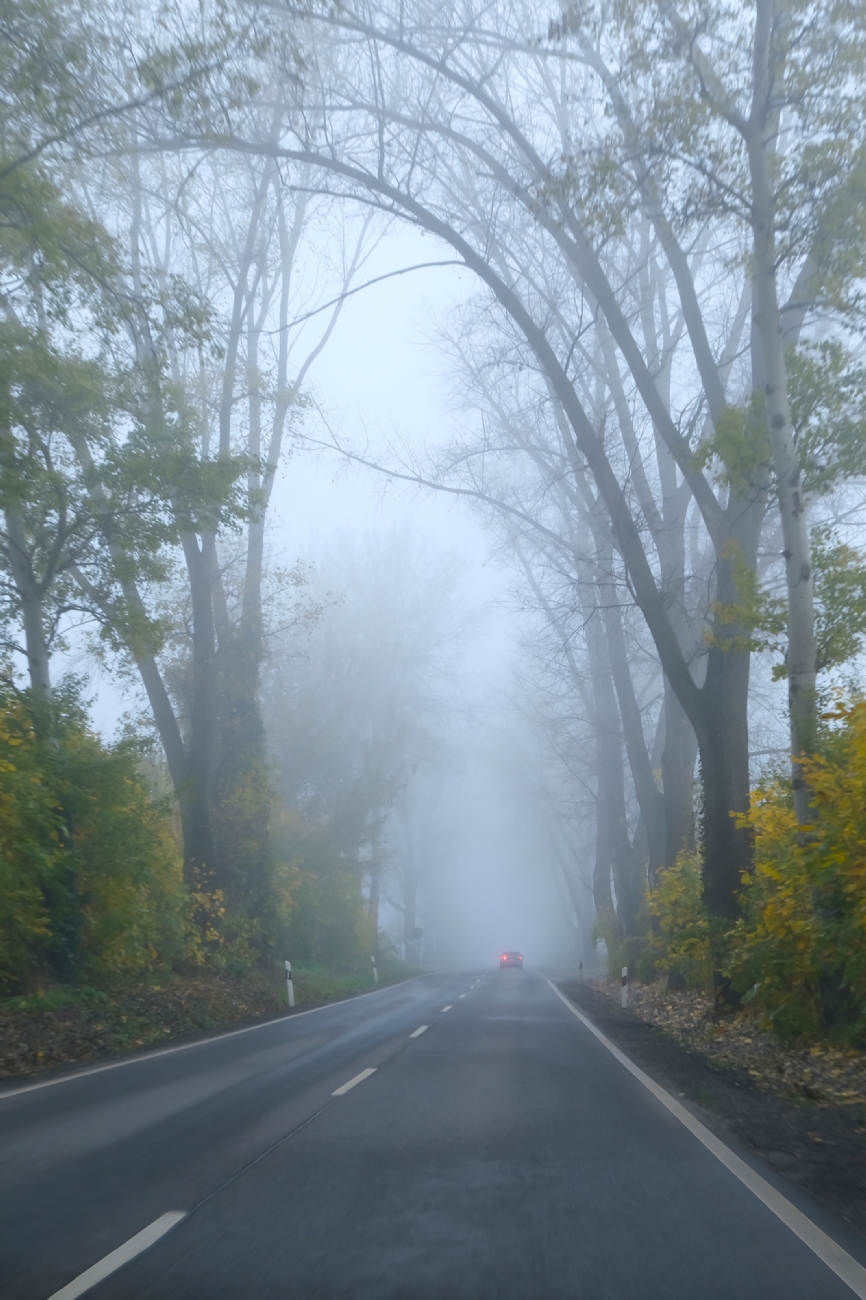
[(798, 952), (90, 870)]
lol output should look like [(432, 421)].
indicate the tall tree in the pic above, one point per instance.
[(419, 170)]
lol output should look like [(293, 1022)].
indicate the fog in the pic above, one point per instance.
[(407, 504), (432, 646), (492, 884)]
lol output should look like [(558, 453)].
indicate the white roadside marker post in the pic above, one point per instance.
[(624, 994), (375, 972), (289, 985)]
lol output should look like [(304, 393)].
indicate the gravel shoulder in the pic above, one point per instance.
[(801, 1111)]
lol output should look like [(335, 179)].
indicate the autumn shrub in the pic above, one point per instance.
[(682, 936), (126, 865), (90, 871), (31, 853), (799, 952)]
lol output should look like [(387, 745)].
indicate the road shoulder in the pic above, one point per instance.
[(819, 1147)]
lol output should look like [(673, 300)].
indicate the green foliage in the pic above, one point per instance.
[(799, 952), (756, 621), (31, 850), (321, 914), (828, 408), (839, 574), (740, 443), (683, 936), (840, 598), (90, 874)]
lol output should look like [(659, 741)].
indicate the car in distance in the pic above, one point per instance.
[(511, 959)]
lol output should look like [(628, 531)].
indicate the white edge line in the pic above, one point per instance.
[(359, 1078), (827, 1250), (199, 1042), (448, 1008), (419, 1031), (111, 1263)]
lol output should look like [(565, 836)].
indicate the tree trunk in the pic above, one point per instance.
[(35, 640), (650, 799), (601, 892), (201, 744), (373, 900), (241, 792), (724, 755), (611, 810), (678, 778), (410, 902), (610, 780), (191, 816), (801, 658)]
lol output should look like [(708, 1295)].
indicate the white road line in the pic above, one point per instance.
[(827, 1250), (359, 1078), (448, 1008), (419, 1031), (111, 1263), (200, 1042), (461, 995)]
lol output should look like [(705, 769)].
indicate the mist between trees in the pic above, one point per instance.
[(658, 413)]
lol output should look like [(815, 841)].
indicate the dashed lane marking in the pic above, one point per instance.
[(448, 1008), (419, 1031), (359, 1078), (111, 1263)]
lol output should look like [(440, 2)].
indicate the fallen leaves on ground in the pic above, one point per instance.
[(127, 1017), (817, 1072)]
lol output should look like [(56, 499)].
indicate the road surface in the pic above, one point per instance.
[(502, 1151)]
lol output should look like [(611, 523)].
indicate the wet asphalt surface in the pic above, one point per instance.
[(502, 1153)]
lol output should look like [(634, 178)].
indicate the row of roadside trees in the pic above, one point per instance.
[(661, 208), (163, 302)]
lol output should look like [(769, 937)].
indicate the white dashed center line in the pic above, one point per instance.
[(462, 995), (418, 1032), (111, 1263), (359, 1078), (448, 1008)]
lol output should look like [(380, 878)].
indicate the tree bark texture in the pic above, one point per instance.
[(801, 658), (203, 707), (610, 783), (679, 753), (31, 598)]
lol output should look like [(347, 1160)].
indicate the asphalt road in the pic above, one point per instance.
[(502, 1152)]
